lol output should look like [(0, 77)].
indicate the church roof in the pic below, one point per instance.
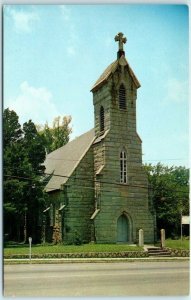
[(64, 160), (104, 76), (111, 69)]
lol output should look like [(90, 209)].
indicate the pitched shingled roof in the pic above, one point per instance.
[(64, 160), (111, 69)]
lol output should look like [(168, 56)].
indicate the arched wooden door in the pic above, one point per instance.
[(123, 229)]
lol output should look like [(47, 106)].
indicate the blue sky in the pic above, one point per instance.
[(53, 54)]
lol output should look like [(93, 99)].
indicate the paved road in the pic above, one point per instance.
[(97, 279)]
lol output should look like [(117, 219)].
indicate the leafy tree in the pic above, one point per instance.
[(57, 135), (11, 128), (170, 195), (13, 188), (13, 207), (23, 155), (33, 144)]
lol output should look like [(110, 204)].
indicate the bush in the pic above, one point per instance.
[(174, 236), (77, 238)]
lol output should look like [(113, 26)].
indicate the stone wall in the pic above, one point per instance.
[(122, 254), (178, 252), (80, 198), (53, 218)]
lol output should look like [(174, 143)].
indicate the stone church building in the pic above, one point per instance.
[(98, 189)]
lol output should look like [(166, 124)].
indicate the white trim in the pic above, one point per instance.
[(62, 207), (48, 208), (95, 214), (99, 170)]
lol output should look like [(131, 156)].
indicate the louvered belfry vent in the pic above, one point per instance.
[(122, 97), (102, 119)]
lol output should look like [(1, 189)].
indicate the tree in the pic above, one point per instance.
[(58, 135), (34, 145), (35, 149), (11, 128), (170, 195), (13, 188), (23, 156)]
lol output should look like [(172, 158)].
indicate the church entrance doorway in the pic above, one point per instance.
[(123, 229)]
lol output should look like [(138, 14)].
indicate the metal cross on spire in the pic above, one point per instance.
[(122, 40)]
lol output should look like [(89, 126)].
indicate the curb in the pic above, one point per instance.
[(92, 260)]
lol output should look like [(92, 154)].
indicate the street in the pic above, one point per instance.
[(98, 279)]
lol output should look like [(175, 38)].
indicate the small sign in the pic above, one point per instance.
[(185, 220), (30, 240)]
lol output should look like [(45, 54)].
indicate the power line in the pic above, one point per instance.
[(162, 159), (19, 177), (91, 181), (106, 182), (166, 159), (75, 160), (76, 178)]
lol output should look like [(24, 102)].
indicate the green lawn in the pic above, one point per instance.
[(177, 244), (40, 249)]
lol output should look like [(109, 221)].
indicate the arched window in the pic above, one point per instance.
[(123, 167), (101, 119), (122, 97)]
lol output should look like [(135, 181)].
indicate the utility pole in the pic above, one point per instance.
[(25, 225), (181, 226)]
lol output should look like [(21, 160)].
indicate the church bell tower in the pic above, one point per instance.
[(121, 186), (114, 94)]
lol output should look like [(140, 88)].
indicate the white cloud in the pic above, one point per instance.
[(177, 90), (33, 103), (23, 21)]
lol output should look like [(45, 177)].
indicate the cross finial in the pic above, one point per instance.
[(122, 40)]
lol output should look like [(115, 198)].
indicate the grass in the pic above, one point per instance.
[(40, 249), (11, 249), (177, 244)]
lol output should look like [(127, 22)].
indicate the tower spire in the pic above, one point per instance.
[(122, 40)]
